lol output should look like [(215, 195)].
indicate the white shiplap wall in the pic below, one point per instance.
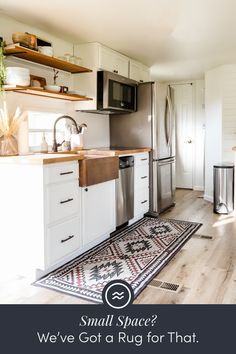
[(228, 112), (220, 98)]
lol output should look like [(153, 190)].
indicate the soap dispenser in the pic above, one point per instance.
[(44, 144)]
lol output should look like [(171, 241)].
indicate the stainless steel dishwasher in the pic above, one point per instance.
[(125, 190)]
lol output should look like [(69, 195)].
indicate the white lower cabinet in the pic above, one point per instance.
[(61, 240), (141, 185), (62, 200), (62, 212), (141, 202), (98, 212)]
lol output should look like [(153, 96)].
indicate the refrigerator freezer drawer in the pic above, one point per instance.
[(165, 184)]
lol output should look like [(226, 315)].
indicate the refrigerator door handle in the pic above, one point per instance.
[(154, 122), (170, 117), (166, 131)]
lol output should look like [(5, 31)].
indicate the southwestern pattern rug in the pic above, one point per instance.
[(135, 255)]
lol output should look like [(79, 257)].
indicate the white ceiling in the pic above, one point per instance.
[(179, 39)]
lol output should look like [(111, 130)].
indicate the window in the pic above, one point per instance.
[(42, 122)]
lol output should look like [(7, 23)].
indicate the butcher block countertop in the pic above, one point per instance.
[(118, 151), (44, 159), (40, 159)]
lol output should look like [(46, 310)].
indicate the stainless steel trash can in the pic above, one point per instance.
[(223, 188)]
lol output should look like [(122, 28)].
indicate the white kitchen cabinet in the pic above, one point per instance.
[(42, 233), (61, 211), (138, 71), (98, 212), (62, 200), (99, 57), (61, 240), (113, 61), (141, 186)]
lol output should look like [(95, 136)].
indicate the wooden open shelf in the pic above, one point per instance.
[(46, 93), (36, 57)]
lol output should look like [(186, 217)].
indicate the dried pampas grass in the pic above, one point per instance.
[(9, 124)]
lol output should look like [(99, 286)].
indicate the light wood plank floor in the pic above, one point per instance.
[(205, 267)]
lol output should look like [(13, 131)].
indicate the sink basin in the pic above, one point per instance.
[(97, 169)]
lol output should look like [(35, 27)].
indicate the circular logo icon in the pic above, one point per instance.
[(117, 294)]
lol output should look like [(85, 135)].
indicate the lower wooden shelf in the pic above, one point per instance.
[(46, 93)]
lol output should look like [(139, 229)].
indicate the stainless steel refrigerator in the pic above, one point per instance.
[(153, 125)]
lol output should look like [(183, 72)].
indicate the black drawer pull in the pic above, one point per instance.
[(66, 201), (144, 159), (145, 201), (67, 239), (144, 177), (66, 173)]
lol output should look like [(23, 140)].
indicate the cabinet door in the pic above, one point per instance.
[(121, 65), (62, 240), (141, 185), (141, 202), (105, 58), (138, 71), (98, 211), (134, 70), (62, 200), (112, 61), (144, 74)]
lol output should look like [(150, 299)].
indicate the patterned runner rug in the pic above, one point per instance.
[(135, 255)]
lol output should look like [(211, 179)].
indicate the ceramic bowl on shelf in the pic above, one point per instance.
[(46, 50), (17, 76), (53, 88)]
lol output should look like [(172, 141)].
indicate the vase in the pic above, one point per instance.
[(8, 145)]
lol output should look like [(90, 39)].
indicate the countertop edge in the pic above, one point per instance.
[(47, 159)]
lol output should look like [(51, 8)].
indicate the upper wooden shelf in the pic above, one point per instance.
[(36, 57), (46, 93)]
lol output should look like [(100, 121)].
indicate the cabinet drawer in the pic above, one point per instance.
[(141, 159), (62, 200), (61, 240), (61, 172), (141, 177), (141, 202)]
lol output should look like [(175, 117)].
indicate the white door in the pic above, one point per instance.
[(183, 99)]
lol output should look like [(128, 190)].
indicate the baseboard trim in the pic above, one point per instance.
[(208, 198), (198, 188)]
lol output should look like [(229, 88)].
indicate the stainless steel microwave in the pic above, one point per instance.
[(115, 93)]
